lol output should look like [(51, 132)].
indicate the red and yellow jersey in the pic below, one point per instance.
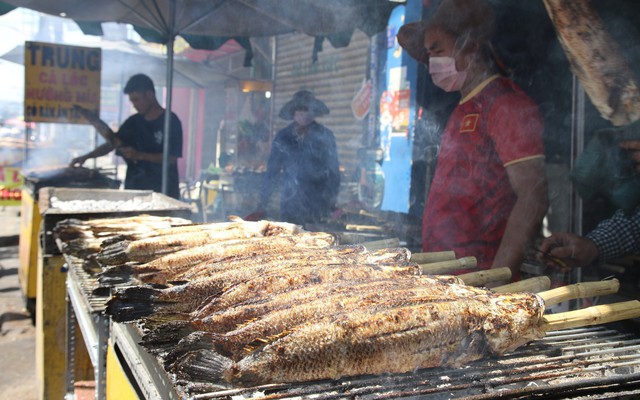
[(470, 198)]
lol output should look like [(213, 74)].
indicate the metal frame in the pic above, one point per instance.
[(95, 332), (150, 377)]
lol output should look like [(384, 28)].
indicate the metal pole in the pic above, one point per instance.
[(577, 147), (167, 114)]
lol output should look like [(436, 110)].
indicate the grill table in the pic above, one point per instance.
[(584, 363), (59, 365), (588, 363)]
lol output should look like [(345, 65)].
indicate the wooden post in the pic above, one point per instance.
[(51, 328)]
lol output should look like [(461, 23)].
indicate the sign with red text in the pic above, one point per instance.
[(10, 186), (57, 77), (361, 103)]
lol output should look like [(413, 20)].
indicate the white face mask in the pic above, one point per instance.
[(445, 75)]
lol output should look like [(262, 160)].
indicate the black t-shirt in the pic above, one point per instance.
[(148, 137)]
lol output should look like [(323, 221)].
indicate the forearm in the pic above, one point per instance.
[(99, 151), (522, 226), (617, 236), (156, 158)]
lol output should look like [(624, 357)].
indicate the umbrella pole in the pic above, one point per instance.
[(167, 114)]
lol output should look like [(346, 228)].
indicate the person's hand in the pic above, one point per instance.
[(78, 161), (129, 153), (634, 150), (566, 250)]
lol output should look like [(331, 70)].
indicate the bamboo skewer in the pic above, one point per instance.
[(589, 316), (437, 256), (481, 278), (360, 228), (382, 244), (580, 291), (531, 285), (444, 267)]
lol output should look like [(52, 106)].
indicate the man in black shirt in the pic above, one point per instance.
[(140, 140)]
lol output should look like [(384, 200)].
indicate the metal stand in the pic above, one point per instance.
[(95, 332), (148, 374)]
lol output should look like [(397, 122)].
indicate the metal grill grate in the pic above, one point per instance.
[(586, 363)]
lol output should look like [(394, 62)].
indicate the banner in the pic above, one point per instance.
[(10, 186), (57, 77)]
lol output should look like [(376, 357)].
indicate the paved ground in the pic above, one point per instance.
[(17, 334)]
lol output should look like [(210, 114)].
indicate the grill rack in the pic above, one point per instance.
[(595, 362), (582, 363)]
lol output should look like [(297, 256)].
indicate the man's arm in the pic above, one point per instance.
[(132, 154), (529, 182), (101, 150)]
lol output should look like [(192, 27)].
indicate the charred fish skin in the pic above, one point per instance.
[(249, 322), (180, 261), (189, 296), (596, 59), (169, 241), (269, 285), (236, 343), (390, 341), (332, 254)]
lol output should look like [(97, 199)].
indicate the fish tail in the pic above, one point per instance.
[(131, 303), (166, 334), (163, 316), (114, 253), (203, 366), (115, 275), (198, 340)]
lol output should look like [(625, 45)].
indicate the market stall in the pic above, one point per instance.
[(584, 361), (55, 204)]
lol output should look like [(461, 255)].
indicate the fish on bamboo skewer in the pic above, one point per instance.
[(127, 275), (72, 227), (369, 341), (376, 295), (596, 59), (148, 249), (164, 327), (263, 287), (395, 340), (143, 300), (162, 269), (348, 254), (255, 297), (254, 307)]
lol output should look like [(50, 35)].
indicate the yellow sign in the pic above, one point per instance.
[(10, 186), (57, 77)]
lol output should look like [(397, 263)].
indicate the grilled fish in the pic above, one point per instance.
[(180, 238), (345, 254), (314, 303), (450, 332), (596, 59), (178, 262), (138, 301)]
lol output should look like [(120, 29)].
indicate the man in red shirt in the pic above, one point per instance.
[(489, 192)]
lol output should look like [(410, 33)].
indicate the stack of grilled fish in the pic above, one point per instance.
[(249, 303)]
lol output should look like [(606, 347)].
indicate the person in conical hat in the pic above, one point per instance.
[(305, 154), (489, 193)]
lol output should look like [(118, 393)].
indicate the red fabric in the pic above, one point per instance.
[(470, 197)]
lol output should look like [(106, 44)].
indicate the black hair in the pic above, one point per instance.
[(139, 83)]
